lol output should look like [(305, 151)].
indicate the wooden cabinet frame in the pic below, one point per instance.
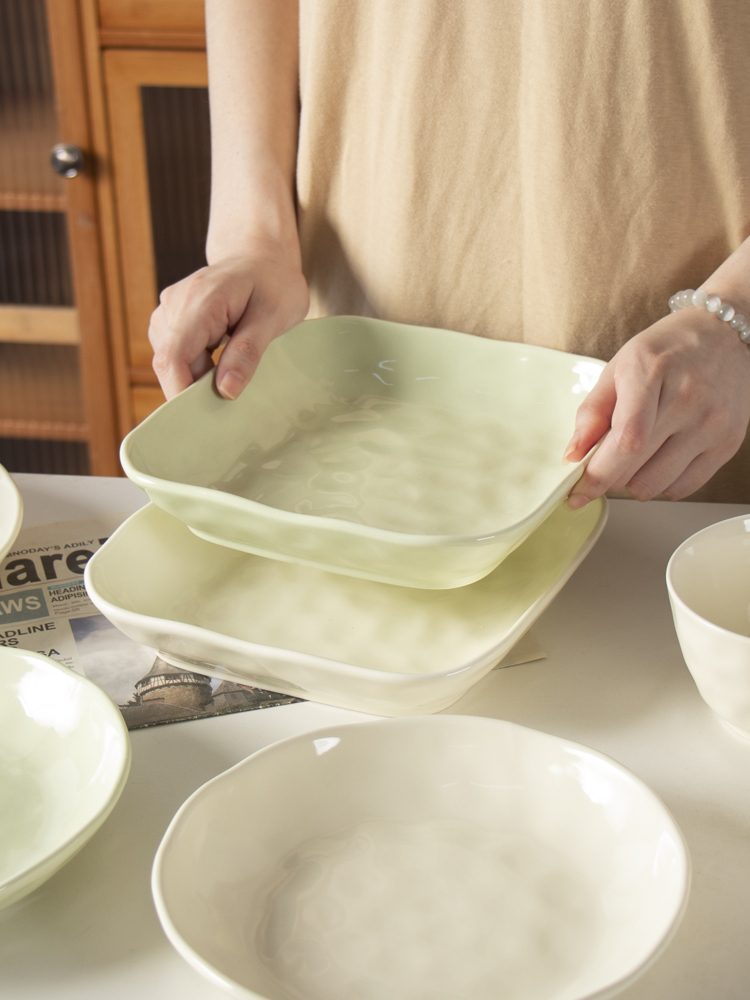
[(126, 71), (131, 44)]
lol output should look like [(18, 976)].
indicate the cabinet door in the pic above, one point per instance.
[(157, 105), (56, 397)]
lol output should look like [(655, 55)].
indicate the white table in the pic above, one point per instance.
[(614, 679)]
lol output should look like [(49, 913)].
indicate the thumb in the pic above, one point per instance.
[(243, 352)]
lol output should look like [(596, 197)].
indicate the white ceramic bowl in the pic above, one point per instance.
[(346, 642), (708, 578), (11, 512), (64, 760), (396, 453), (450, 857)]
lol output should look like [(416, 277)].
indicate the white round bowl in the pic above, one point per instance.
[(445, 857), (708, 579), (64, 760)]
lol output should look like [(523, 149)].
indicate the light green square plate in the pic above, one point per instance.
[(396, 453)]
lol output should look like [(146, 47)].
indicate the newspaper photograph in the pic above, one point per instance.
[(44, 607)]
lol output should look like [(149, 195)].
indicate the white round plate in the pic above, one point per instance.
[(445, 857), (11, 512), (64, 760)]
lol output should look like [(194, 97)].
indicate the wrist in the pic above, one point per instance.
[(253, 246), (257, 221), (712, 304), (730, 294), (731, 280)]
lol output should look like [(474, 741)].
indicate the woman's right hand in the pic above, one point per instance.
[(253, 288), (253, 298)]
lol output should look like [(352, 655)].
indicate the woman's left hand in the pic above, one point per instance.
[(676, 402)]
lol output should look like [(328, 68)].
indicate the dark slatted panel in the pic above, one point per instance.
[(34, 265), (178, 151), (25, 69), (50, 457), (40, 382), (28, 123)]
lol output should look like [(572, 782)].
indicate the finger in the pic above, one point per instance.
[(178, 373), (634, 436), (705, 439), (259, 325), (697, 474), (593, 417), (665, 466), (202, 364), (175, 370), (172, 367), (609, 468), (635, 415), (190, 323), (705, 458)]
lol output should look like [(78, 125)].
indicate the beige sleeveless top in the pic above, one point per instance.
[(541, 170)]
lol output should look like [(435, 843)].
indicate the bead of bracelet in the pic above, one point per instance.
[(713, 304)]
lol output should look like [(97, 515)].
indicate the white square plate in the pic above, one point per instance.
[(321, 636)]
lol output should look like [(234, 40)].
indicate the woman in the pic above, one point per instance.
[(521, 169)]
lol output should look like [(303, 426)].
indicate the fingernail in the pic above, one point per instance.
[(575, 501), (571, 447), (230, 385)]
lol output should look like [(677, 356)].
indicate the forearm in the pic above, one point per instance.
[(253, 87)]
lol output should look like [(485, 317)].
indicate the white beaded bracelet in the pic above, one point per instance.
[(713, 304)]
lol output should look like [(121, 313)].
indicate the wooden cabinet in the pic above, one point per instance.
[(157, 104), (55, 368), (128, 86), (147, 81)]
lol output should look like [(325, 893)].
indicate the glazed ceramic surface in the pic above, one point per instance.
[(402, 454), (321, 636), (450, 857), (11, 512), (708, 579), (64, 760)]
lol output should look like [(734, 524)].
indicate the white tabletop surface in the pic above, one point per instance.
[(614, 679)]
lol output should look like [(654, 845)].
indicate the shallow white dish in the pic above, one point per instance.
[(11, 512), (321, 636), (448, 858), (708, 579), (64, 760), (408, 455)]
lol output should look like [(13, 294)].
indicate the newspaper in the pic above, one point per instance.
[(44, 607)]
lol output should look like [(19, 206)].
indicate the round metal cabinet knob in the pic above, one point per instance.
[(67, 160)]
